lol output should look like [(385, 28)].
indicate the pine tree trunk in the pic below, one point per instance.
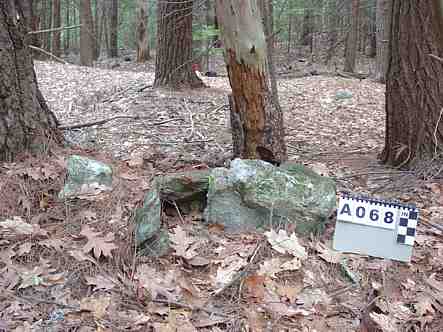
[(383, 23), (67, 33), (333, 30), (113, 24), (173, 61), (26, 123), (351, 41), (56, 23), (87, 39), (142, 32), (257, 123), (414, 89)]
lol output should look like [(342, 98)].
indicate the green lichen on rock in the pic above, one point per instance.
[(84, 174), (180, 187), (254, 193)]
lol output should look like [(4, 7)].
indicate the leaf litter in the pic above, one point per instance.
[(72, 265)]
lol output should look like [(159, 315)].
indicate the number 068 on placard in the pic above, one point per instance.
[(367, 213)]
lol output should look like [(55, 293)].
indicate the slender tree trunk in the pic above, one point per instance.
[(113, 23), (56, 23), (383, 23), (67, 33), (414, 89), (173, 61), (46, 24), (333, 30), (87, 38), (372, 52), (142, 32), (257, 123), (308, 27), (26, 123), (351, 41)]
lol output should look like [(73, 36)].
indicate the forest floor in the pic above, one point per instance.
[(50, 281)]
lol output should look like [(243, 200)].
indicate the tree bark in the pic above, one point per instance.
[(307, 38), (26, 123), (56, 23), (142, 32), (414, 89), (383, 23), (351, 41), (173, 61), (87, 37), (113, 24), (67, 35), (257, 123)]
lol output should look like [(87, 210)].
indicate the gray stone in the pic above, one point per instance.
[(343, 94), (86, 176), (254, 193), (180, 187), (251, 195), (148, 217)]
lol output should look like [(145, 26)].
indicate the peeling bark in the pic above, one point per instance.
[(257, 122)]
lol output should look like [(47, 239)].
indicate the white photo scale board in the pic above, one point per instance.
[(374, 227)]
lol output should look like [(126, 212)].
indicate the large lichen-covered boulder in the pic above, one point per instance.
[(86, 177), (255, 194)]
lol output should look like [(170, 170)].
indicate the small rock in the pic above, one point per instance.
[(86, 176)]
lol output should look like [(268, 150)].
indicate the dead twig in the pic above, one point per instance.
[(436, 57), (47, 53), (190, 307), (54, 29), (101, 122), (435, 134)]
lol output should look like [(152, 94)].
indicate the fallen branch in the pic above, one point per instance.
[(190, 307), (47, 53), (101, 122), (53, 29), (436, 57)]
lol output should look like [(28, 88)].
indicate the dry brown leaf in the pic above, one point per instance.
[(386, 323), (255, 287), (156, 283), (283, 243), (256, 321), (327, 254), (18, 226), (270, 267), (96, 305), (183, 244), (96, 243), (100, 282)]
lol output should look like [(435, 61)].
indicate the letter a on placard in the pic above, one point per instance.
[(346, 209)]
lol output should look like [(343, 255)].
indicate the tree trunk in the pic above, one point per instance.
[(383, 23), (113, 25), (26, 123), (372, 51), (87, 39), (333, 30), (67, 33), (308, 27), (56, 23), (173, 61), (351, 41), (257, 123), (414, 89), (46, 24), (142, 32)]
